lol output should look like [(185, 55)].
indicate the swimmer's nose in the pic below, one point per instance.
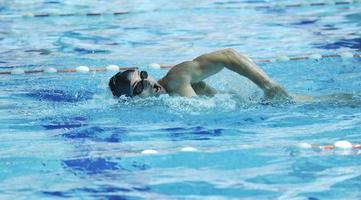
[(147, 84)]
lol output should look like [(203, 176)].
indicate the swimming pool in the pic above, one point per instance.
[(63, 135)]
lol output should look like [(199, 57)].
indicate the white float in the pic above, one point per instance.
[(50, 70), (346, 55), (343, 144), (154, 65), (149, 151), (283, 58), (188, 149), (112, 68), (315, 56), (17, 71), (82, 69), (304, 145), (29, 14)]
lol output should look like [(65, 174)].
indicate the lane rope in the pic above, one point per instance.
[(342, 145), (115, 68), (119, 13), (80, 69)]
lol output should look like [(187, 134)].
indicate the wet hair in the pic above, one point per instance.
[(119, 84)]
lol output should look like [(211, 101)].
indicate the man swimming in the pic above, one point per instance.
[(186, 79)]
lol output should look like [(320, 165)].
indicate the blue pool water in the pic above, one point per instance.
[(64, 136)]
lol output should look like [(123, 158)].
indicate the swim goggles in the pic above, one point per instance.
[(139, 86)]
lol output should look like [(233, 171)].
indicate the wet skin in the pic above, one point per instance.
[(186, 79)]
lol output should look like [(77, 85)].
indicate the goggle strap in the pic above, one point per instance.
[(143, 75)]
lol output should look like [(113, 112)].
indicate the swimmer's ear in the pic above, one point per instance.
[(120, 82), (113, 86)]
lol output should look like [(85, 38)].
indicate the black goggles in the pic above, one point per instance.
[(139, 86)]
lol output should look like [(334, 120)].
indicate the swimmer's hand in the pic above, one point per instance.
[(276, 92)]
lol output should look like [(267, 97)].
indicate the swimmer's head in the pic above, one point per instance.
[(132, 83)]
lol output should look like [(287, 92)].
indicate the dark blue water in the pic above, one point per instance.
[(64, 136)]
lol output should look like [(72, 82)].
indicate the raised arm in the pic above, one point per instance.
[(186, 73)]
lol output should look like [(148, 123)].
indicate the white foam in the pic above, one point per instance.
[(17, 71), (112, 68), (149, 151), (283, 58), (315, 56), (50, 70), (188, 149), (154, 65), (343, 144), (197, 105), (82, 69), (304, 145)]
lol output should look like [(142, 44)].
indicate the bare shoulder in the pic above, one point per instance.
[(179, 78), (183, 68), (216, 56), (181, 72), (201, 67)]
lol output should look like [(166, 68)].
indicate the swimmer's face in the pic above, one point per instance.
[(135, 83), (144, 85)]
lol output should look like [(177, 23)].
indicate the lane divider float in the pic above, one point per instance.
[(338, 145), (343, 144), (90, 14), (52, 70), (284, 58), (184, 149), (268, 6), (86, 69), (301, 4)]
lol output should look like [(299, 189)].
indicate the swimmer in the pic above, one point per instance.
[(187, 78)]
